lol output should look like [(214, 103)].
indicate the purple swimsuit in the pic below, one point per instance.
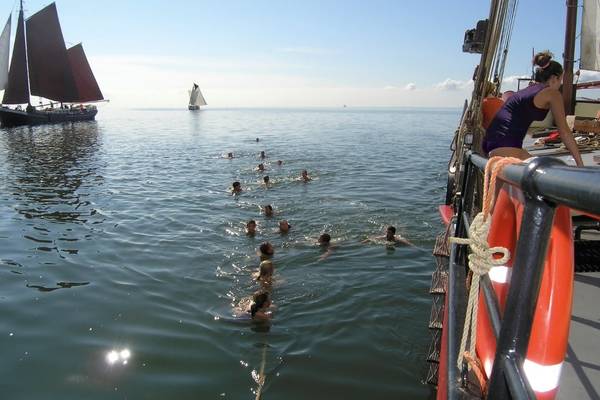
[(509, 126)]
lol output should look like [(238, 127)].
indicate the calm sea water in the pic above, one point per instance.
[(119, 235)]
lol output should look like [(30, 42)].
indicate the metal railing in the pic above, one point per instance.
[(545, 183)]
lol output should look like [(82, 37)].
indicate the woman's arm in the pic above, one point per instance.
[(558, 111)]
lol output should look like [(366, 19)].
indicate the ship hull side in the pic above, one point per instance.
[(10, 117)]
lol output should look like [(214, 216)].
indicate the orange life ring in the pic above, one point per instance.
[(550, 331)]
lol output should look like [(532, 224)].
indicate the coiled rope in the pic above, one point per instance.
[(482, 257)]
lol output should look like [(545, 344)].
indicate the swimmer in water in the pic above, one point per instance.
[(266, 180), (325, 243), (251, 228), (266, 251), (261, 167), (260, 308), (257, 139), (390, 237), (262, 154), (304, 176), (236, 188), (229, 155), (324, 240), (284, 226), (265, 272), (279, 162), (268, 210)]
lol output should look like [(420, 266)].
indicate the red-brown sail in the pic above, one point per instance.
[(87, 87), (17, 91), (50, 74)]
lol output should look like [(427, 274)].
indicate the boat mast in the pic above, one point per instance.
[(22, 18), (569, 56)]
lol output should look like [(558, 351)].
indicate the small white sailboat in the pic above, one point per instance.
[(196, 98)]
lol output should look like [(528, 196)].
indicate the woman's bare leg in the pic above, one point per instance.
[(510, 152), (507, 152)]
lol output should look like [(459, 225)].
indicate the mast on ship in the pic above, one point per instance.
[(41, 65), (569, 56)]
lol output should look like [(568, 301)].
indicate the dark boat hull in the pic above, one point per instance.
[(10, 117), (193, 108)]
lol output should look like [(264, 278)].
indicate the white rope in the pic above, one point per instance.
[(481, 260), (261, 373)]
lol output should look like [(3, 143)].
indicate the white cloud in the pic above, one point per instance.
[(453, 85), (410, 87), (511, 82), (588, 76)]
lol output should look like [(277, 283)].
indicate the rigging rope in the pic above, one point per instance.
[(261, 373), (481, 259)]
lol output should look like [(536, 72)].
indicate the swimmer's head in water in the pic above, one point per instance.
[(237, 187), (269, 210), (324, 239), (261, 167), (284, 226), (261, 299), (279, 162), (265, 270), (390, 233), (257, 139), (251, 227), (230, 155), (266, 179), (262, 154), (266, 249)]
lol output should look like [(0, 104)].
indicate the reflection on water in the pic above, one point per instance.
[(49, 169), (59, 285)]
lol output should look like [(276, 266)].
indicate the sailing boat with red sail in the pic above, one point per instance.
[(41, 65)]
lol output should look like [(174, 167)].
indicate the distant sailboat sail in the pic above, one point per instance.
[(200, 100), (196, 98), (4, 54), (590, 36), (194, 95)]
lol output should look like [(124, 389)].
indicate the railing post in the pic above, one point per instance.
[(525, 282)]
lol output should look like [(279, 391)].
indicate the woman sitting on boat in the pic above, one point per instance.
[(504, 137)]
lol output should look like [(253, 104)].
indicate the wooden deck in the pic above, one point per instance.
[(580, 377)]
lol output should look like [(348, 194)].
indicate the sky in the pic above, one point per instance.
[(286, 53)]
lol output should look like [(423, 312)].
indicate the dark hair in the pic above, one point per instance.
[(392, 229), (325, 238), (265, 247), (251, 222), (260, 298), (546, 67), (236, 183), (266, 178), (268, 207)]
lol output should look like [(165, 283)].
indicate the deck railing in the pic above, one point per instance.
[(545, 183)]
